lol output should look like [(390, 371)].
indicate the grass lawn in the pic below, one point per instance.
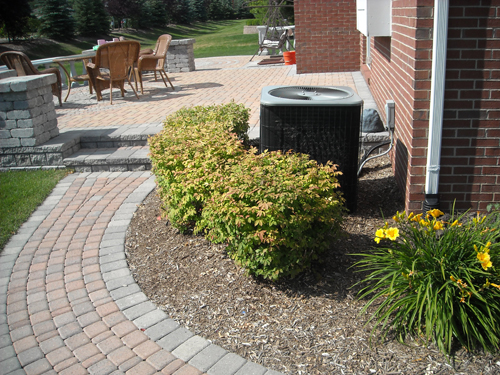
[(21, 192), (221, 38)]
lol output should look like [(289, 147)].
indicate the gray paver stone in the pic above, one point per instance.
[(228, 365), (10, 364), (31, 355), (39, 367), (139, 310), (161, 329), (103, 367), (190, 348), (132, 300), (125, 291), (175, 338), (208, 357), (120, 282), (149, 319), (251, 368)]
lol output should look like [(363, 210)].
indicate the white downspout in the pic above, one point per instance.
[(438, 78)]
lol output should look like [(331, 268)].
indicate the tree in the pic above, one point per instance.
[(91, 18), (14, 18), (55, 19)]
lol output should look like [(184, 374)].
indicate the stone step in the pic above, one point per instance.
[(113, 159)]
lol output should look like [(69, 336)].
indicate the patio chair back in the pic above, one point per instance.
[(22, 64), (161, 49), (118, 58)]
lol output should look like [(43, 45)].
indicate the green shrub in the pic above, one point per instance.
[(253, 22), (437, 279), (276, 213), (233, 118), (193, 149)]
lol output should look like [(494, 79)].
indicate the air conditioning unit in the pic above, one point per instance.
[(323, 122)]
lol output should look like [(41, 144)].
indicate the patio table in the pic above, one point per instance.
[(85, 57)]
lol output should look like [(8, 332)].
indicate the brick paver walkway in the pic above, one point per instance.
[(68, 302)]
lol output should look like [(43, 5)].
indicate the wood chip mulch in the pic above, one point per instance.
[(308, 325)]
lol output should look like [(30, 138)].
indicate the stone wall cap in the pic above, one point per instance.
[(26, 83), (177, 42), (7, 74)]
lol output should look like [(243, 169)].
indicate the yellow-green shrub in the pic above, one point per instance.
[(275, 211)]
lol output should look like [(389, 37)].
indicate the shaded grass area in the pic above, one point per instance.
[(21, 192), (214, 38)]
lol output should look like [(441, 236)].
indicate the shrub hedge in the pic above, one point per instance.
[(276, 212)]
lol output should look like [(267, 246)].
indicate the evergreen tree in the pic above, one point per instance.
[(91, 18), (55, 19), (155, 14), (199, 10), (14, 18)]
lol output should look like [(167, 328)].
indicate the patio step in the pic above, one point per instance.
[(113, 159)]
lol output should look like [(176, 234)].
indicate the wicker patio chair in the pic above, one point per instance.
[(22, 64), (154, 61), (113, 63)]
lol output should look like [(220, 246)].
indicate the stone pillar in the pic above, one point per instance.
[(27, 118), (180, 56)]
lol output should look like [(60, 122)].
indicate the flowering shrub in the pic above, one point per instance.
[(279, 217), (437, 279), (275, 211)]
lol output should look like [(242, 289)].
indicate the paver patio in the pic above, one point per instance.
[(68, 301)]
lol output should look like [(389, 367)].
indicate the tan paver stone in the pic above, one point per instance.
[(86, 351), (110, 344), (188, 370), (142, 368), (173, 367), (106, 309), (160, 359), (25, 343), (134, 339), (65, 364), (121, 355), (93, 360), (147, 349), (76, 341), (76, 369), (124, 328), (95, 329), (58, 355)]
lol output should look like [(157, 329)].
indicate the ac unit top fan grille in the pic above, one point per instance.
[(304, 95), (310, 93)]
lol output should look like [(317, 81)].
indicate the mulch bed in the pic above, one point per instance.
[(308, 325)]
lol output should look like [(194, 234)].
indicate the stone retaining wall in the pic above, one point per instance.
[(180, 56), (27, 119)]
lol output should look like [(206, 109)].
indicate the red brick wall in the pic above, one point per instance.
[(326, 36), (401, 71), (470, 156)]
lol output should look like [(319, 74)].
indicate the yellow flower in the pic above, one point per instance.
[(435, 213), (438, 225), (423, 223), (487, 265), (410, 215), (392, 233), (495, 285), (483, 257), (377, 239), (453, 279), (416, 217), (455, 223)]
